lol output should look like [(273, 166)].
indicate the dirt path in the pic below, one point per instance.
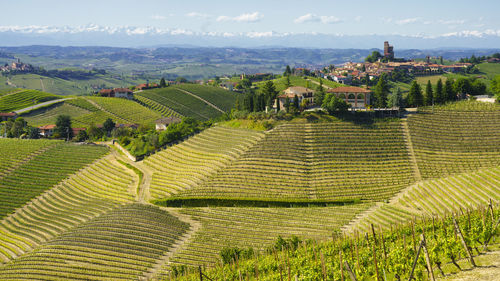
[(184, 240), (317, 83), (488, 269), (29, 108), (411, 152), (203, 100)]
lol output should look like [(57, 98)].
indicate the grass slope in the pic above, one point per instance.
[(24, 99)]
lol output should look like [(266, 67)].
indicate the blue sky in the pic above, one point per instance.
[(431, 18)]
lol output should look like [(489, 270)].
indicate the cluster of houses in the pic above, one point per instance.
[(117, 93), (357, 97), (16, 66)]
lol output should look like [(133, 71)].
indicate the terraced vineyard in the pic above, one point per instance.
[(258, 228), (163, 110), (300, 161), (87, 194), (24, 99), (186, 165), (49, 115), (449, 142), (127, 110), (42, 172), (219, 97), (14, 152), (181, 102), (122, 244)]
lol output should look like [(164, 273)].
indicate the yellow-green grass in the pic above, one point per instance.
[(422, 80), (24, 99), (186, 165), (123, 244), (92, 191), (46, 116)]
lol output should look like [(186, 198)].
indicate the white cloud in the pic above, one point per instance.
[(197, 15), (407, 21), (451, 22), (248, 17), (254, 34), (315, 18), (158, 17), (358, 18)]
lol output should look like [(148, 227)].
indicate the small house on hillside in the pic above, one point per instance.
[(357, 97), (124, 93), (162, 124), (47, 130), (7, 115), (107, 93), (302, 93)]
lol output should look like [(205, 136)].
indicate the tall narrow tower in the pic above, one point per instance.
[(388, 50)]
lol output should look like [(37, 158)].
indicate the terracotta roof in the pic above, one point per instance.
[(106, 91), (8, 114), (121, 90), (168, 120), (348, 90), (47, 127)]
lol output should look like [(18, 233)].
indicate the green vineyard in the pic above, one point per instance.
[(24, 99)]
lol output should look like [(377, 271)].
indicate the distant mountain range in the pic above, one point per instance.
[(94, 35)]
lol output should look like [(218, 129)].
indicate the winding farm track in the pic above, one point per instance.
[(203, 100), (41, 105), (411, 152)]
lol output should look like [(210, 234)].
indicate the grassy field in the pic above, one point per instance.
[(24, 99)]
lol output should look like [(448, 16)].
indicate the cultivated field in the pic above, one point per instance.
[(23, 99)]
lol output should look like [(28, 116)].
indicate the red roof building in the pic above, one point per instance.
[(7, 115), (107, 93)]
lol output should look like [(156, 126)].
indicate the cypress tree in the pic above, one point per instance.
[(381, 92), (439, 94), (449, 90), (429, 95), (415, 97), (296, 102)]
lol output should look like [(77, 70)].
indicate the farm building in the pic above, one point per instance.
[(162, 124), (357, 97), (107, 93), (301, 92), (47, 130), (7, 115), (123, 93)]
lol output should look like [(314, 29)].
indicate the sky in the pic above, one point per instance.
[(427, 18)]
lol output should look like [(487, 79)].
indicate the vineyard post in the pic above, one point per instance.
[(491, 234), (201, 274), (464, 243), (351, 274), (490, 206), (288, 265), (341, 267), (323, 267), (374, 236), (413, 234), (383, 245), (357, 254), (415, 261), (375, 261), (427, 259)]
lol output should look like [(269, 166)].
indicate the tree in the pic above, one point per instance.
[(495, 86), (462, 87), (246, 83), (296, 102), (439, 95), (163, 84), (415, 97), (270, 92), (287, 82), (381, 92), (449, 90), (373, 57), (478, 88), (82, 136), (248, 102), (33, 133), (429, 95), (108, 126), (63, 127), (334, 104), (287, 104), (94, 133), (396, 98), (288, 71), (319, 95)]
